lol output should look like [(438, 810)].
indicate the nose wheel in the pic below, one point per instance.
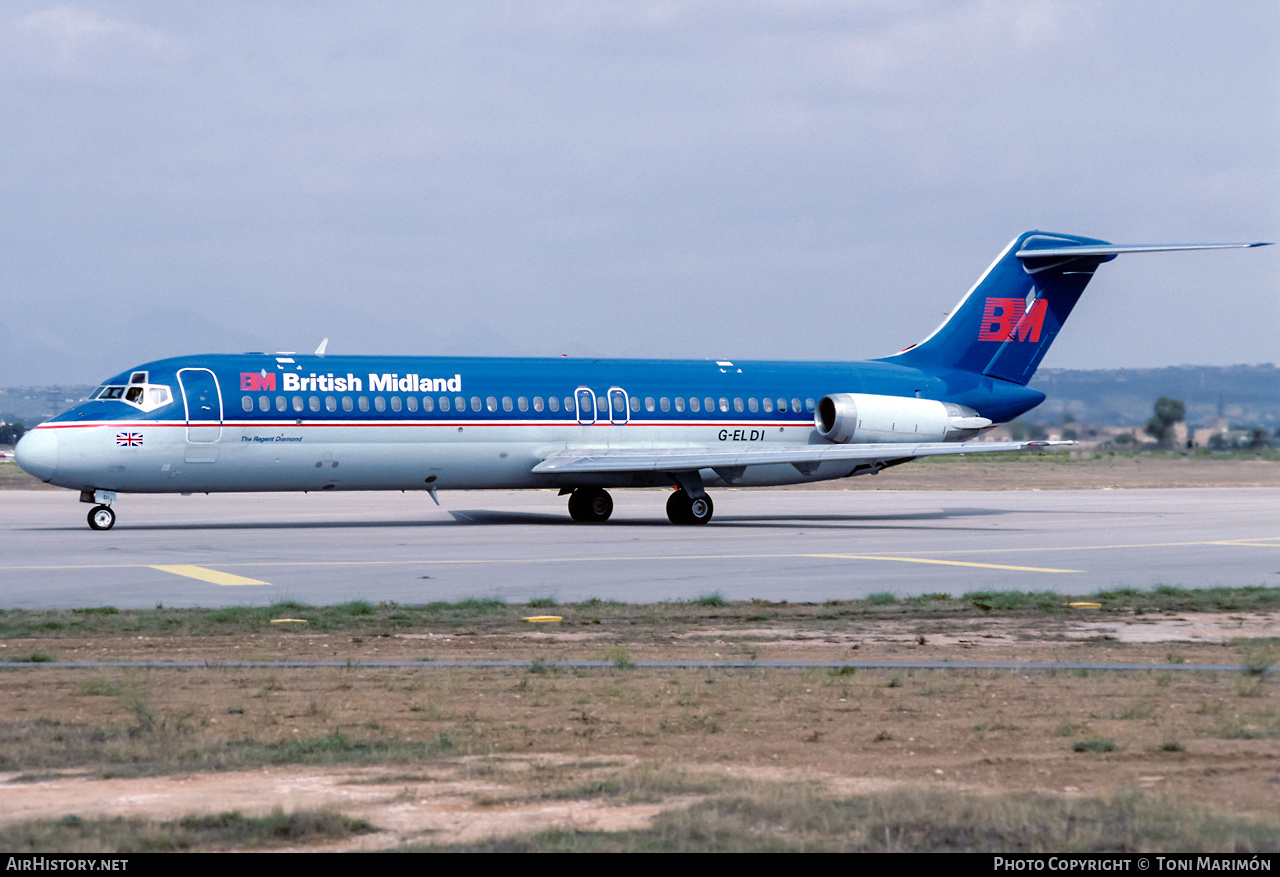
[(101, 518), (590, 505), (684, 509)]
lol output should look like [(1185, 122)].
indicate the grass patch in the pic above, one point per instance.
[(1096, 744), (488, 615), (100, 688), (32, 658), (1005, 601), (620, 657), (784, 818), (73, 834)]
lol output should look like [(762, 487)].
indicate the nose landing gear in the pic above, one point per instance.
[(101, 517)]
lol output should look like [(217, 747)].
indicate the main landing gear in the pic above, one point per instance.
[(684, 509), (593, 505), (590, 505), (101, 517)]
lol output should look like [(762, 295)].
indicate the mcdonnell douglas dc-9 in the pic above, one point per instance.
[(258, 422)]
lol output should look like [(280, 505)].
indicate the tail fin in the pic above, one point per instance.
[(1004, 325)]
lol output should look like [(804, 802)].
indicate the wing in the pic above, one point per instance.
[(804, 457)]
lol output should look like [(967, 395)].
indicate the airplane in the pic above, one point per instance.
[(285, 422)]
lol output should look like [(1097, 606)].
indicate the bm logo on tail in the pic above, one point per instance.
[(1009, 319)]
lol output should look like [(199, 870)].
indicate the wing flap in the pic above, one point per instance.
[(595, 459)]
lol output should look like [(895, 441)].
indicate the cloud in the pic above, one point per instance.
[(66, 38)]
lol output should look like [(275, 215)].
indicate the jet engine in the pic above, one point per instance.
[(862, 418)]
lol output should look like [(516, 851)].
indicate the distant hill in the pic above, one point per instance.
[(1248, 394)]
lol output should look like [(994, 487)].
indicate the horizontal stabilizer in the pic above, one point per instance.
[(1110, 250), (580, 459)]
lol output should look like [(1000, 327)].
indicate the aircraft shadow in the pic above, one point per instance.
[(485, 517), (489, 518)]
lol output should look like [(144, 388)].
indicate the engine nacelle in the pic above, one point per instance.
[(863, 419)]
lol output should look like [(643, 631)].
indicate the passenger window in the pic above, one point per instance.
[(768, 405), (297, 404), (679, 403), (363, 403), (395, 403), (635, 404), (602, 404), (506, 403), (709, 404), (411, 402), (568, 405), (752, 405), (649, 404), (491, 403), (782, 405), (444, 403), (619, 407), (264, 404), (347, 404), (522, 403), (247, 403), (428, 404), (330, 403), (537, 403), (553, 404), (795, 405), (460, 404), (809, 405), (694, 405), (282, 403), (475, 403), (737, 404), (314, 403), (724, 404), (379, 404)]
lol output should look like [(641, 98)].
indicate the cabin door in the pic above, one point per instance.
[(619, 406), (200, 393), (585, 398)]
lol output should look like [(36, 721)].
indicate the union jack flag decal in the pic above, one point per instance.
[(129, 439)]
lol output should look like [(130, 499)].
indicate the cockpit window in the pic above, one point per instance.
[(138, 378), (146, 396)]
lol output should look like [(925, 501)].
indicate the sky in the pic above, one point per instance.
[(766, 180)]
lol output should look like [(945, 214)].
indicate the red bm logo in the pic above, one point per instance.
[(258, 381), (1007, 319)]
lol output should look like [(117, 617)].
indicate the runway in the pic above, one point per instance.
[(801, 546)]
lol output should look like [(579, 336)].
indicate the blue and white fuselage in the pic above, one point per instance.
[(284, 422)]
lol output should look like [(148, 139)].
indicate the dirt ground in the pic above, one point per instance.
[(498, 748)]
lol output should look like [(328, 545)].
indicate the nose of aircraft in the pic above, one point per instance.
[(37, 453)]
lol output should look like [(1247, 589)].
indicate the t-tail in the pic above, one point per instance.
[(1004, 325)]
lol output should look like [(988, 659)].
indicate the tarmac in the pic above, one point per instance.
[(800, 546)]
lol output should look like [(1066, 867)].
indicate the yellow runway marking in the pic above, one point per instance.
[(212, 576), (943, 562)]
